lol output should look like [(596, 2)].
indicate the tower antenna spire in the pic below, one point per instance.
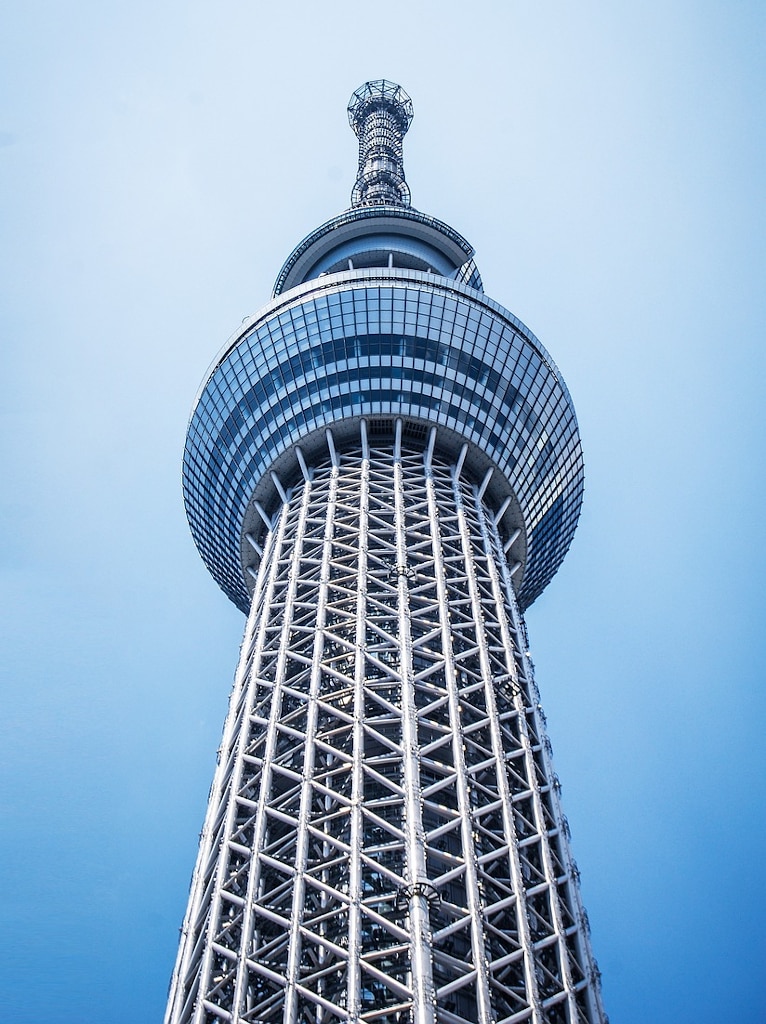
[(380, 113)]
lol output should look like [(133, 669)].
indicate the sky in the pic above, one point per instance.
[(158, 162)]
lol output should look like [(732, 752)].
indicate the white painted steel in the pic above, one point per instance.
[(462, 780), (384, 841), (424, 997), (578, 933)]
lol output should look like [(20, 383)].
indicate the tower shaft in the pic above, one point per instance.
[(384, 840)]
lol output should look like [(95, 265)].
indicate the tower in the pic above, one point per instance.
[(383, 471)]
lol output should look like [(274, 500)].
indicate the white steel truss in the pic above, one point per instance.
[(384, 841)]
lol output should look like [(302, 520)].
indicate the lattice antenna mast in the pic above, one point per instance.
[(380, 114)]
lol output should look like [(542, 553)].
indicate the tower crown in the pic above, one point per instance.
[(381, 229), (378, 317), (380, 113)]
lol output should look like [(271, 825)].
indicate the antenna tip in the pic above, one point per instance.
[(380, 95)]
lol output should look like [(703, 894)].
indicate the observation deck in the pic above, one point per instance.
[(380, 315)]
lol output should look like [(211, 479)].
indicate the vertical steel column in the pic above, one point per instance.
[(473, 894), (420, 942), (204, 1004), (591, 985), (181, 993), (291, 1010), (520, 909), (268, 756), (357, 794), (524, 685)]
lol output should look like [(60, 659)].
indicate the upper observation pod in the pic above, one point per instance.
[(378, 327), (380, 229), (380, 114)]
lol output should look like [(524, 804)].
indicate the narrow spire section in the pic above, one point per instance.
[(380, 113)]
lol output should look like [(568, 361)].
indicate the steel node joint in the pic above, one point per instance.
[(407, 893)]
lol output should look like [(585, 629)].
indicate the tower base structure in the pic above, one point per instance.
[(384, 840)]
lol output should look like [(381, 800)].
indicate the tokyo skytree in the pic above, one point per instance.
[(383, 471)]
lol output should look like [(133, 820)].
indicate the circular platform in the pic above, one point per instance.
[(382, 344)]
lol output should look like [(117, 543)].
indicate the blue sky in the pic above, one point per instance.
[(157, 164)]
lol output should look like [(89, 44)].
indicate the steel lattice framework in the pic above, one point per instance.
[(380, 113), (385, 465)]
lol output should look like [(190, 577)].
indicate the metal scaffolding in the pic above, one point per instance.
[(384, 840)]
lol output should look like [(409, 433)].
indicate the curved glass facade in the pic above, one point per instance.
[(383, 343)]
